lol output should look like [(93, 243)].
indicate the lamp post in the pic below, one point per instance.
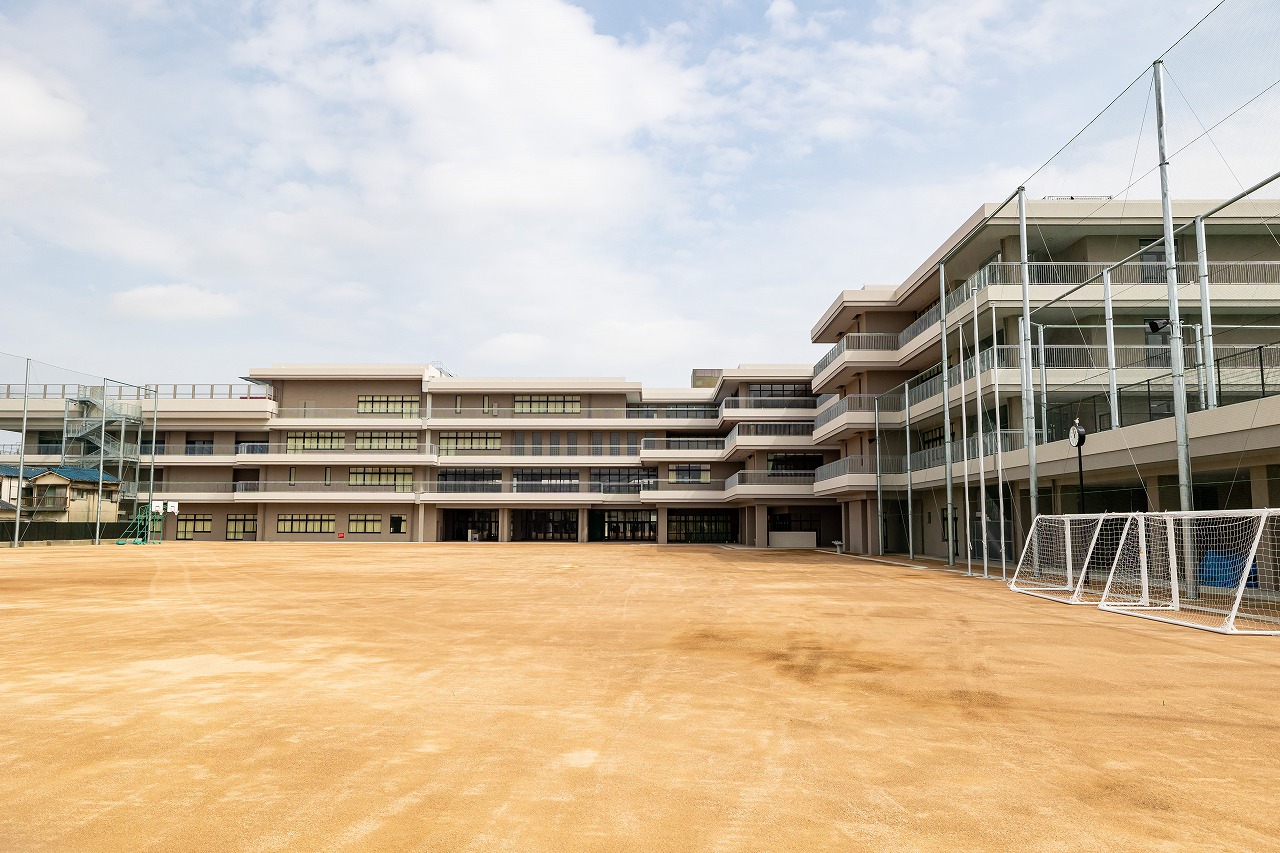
[(1076, 434)]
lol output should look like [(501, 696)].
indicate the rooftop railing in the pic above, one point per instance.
[(64, 391), (1225, 272)]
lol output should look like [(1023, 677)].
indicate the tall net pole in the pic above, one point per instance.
[(22, 453), (1175, 321), (946, 418), (1024, 342)]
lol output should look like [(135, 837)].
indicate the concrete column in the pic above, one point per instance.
[(761, 512), (872, 525), (430, 524), (846, 523), (1259, 492), (261, 511), (662, 525), (582, 523), (504, 524), (418, 522)]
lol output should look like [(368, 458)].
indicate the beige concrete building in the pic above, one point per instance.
[(850, 449)]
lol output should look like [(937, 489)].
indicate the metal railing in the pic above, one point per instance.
[(677, 443), (769, 403), (63, 391), (1008, 273), (307, 412), (769, 429), (770, 478), (669, 485), (656, 411), (860, 465), (850, 403)]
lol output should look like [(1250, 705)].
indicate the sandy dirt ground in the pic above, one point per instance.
[(607, 697)]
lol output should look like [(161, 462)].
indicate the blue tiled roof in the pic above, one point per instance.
[(75, 475)]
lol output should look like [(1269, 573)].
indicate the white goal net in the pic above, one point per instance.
[(1214, 570)]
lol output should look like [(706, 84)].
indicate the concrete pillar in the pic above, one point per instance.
[(430, 524), (761, 512), (418, 523), (847, 524), (1259, 492), (261, 511), (504, 524), (582, 523), (872, 523), (662, 525)]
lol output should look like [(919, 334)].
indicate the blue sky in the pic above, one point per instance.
[(512, 187)]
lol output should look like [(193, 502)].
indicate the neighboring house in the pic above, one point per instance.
[(69, 494)]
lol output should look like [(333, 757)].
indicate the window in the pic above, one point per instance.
[(622, 481), (457, 404), (328, 476), (548, 404), (293, 476), (469, 480), (571, 443), (148, 449), (698, 473), (199, 447), (1152, 259), (404, 405), (454, 443), (386, 441), (239, 525), (795, 522), (535, 443), (294, 523), (782, 389), (189, 525), (545, 480), (931, 438), (298, 442), (553, 444), (597, 444), (484, 404), (615, 444), (399, 524), (702, 526), (400, 478), (794, 461), (364, 523)]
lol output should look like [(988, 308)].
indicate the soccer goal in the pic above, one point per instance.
[(1219, 571), (1068, 558)]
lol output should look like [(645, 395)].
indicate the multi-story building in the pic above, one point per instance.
[(850, 449), (369, 453), (886, 367)]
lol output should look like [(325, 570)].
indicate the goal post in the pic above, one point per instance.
[(1067, 557), (1219, 571)]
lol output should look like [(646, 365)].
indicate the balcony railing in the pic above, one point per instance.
[(64, 391), (1226, 272), (769, 429), (343, 413), (770, 478), (657, 411), (850, 403), (769, 403), (860, 465), (678, 443)]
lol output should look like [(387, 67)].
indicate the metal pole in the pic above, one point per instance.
[(911, 512), (879, 488), (1200, 365), (1113, 389), (102, 456), (946, 416), (1024, 343), (982, 450), (151, 485), (22, 454), (995, 380), (1175, 320), (1206, 310), (1044, 387), (964, 451)]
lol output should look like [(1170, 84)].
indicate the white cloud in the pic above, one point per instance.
[(179, 302), (33, 112)]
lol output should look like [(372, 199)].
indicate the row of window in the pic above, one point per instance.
[(240, 526)]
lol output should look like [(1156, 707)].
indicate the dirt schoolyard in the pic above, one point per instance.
[(271, 697)]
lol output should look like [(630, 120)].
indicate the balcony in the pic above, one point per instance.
[(797, 484), (445, 417), (678, 449), (734, 408), (1066, 274)]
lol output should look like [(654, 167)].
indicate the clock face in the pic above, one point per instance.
[(1076, 435)]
